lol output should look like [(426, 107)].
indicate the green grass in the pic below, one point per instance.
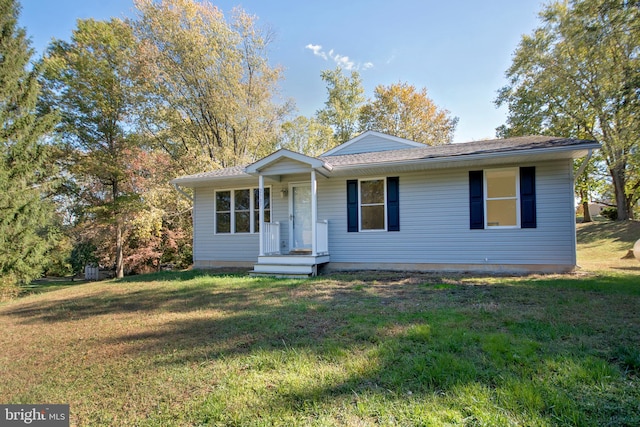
[(190, 349), (603, 244)]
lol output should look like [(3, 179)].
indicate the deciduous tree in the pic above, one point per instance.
[(307, 136), (209, 87), (581, 70), (91, 84), (342, 108), (403, 111)]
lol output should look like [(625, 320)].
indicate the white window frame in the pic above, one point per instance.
[(253, 210), (516, 198), (384, 204)]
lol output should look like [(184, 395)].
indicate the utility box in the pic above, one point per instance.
[(91, 272)]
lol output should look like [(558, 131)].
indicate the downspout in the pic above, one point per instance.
[(181, 191), (573, 220), (583, 165)]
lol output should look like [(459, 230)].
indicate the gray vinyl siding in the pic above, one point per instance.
[(208, 246), (287, 166), (371, 143), (434, 224)]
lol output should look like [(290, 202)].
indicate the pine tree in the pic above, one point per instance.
[(25, 214)]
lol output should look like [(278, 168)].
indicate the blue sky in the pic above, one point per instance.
[(457, 49)]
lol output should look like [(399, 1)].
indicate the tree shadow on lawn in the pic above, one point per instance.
[(618, 231), (425, 335), (175, 294)]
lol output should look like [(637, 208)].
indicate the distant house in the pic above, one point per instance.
[(595, 209), (382, 202)]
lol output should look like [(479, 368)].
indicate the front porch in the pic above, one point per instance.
[(296, 263), (307, 235)]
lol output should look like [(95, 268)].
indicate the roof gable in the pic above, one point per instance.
[(286, 157), (372, 141)]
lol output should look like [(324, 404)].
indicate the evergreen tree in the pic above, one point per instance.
[(25, 213)]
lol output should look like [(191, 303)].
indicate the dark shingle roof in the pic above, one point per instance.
[(454, 150), (449, 151)]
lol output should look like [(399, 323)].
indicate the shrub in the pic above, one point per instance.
[(610, 213)]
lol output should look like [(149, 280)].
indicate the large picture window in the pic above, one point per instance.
[(238, 211), (372, 204)]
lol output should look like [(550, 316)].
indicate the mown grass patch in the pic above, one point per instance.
[(192, 348), (602, 245)]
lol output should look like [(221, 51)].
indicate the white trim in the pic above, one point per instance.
[(571, 213), (261, 212), (374, 133), (314, 214), (263, 163), (384, 204), (232, 212), (485, 195)]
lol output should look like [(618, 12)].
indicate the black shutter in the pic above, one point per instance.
[(393, 204), (476, 200), (352, 205), (528, 197)]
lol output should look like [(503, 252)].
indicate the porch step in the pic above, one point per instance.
[(297, 269), (292, 259), (291, 265), (280, 275)]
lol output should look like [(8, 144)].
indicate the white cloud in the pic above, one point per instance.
[(317, 50), (341, 60)]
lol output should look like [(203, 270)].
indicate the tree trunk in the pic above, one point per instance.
[(630, 213), (617, 175), (587, 214), (119, 256)]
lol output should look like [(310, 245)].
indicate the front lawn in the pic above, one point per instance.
[(359, 349)]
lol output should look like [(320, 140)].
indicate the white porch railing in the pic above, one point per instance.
[(322, 236), (271, 240)]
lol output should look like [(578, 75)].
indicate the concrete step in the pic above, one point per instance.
[(280, 275), (284, 268), (293, 259)]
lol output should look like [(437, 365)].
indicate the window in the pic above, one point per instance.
[(223, 212), (242, 211), (238, 211), (501, 201), (372, 204), (256, 208), (502, 198)]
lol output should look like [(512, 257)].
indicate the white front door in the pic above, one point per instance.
[(300, 216)]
